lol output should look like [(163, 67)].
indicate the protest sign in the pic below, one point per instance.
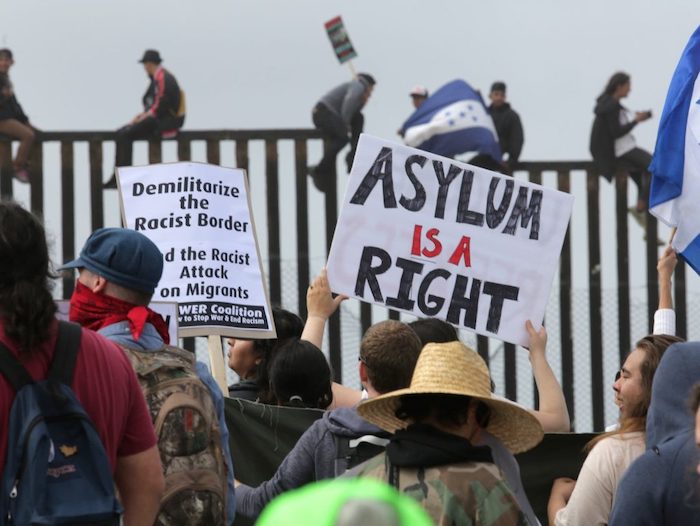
[(434, 237), (199, 216), (168, 311), (340, 40)]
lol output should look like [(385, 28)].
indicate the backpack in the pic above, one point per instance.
[(56, 469), (350, 452), (188, 434)]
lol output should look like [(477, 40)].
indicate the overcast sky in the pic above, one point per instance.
[(263, 63)]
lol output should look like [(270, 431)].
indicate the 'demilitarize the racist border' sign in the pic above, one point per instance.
[(199, 216), (439, 238)]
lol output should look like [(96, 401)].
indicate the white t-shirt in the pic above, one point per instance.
[(592, 500), (625, 143)]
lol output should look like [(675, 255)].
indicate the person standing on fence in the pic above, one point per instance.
[(118, 271), (103, 381), (612, 144), (13, 121), (508, 126), (162, 116), (339, 115)]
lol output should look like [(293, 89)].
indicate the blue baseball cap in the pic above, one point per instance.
[(124, 257)]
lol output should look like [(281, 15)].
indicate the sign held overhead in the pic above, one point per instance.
[(199, 216), (435, 237), (340, 40)]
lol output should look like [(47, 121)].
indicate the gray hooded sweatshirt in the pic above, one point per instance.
[(313, 458)]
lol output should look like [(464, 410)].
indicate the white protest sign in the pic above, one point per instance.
[(439, 238), (167, 310), (199, 216)]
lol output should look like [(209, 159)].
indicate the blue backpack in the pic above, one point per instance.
[(56, 469)]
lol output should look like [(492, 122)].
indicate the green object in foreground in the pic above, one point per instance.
[(344, 502)]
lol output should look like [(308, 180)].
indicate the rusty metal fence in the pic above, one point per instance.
[(559, 174)]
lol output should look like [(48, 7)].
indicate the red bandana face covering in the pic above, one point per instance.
[(95, 311)]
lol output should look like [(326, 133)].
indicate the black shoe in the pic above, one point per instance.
[(320, 182), (111, 184)]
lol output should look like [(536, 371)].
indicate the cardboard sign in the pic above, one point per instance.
[(199, 216), (434, 237), (340, 40), (167, 310)]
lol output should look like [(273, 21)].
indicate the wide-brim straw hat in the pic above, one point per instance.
[(454, 369)]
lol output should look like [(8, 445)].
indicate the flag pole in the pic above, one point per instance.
[(352, 69)]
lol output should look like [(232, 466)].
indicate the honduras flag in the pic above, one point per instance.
[(452, 120), (675, 184)]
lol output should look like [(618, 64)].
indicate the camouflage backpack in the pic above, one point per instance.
[(188, 434)]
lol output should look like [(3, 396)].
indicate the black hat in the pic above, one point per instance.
[(498, 86), (151, 55), (369, 79)]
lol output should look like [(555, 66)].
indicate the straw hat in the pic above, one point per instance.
[(453, 368)]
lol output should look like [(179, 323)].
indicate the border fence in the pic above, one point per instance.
[(583, 358)]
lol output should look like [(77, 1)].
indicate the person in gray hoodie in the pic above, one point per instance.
[(660, 487), (388, 354), (338, 114)]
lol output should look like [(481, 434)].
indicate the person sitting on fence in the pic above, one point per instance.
[(250, 359), (103, 380), (300, 376), (661, 487), (612, 144), (118, 272), (162, 116), (13, 121), (588, 500), (341, 438), (436, 423)]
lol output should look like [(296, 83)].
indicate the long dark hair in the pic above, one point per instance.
[(300, 376), (653, 346), (618, 79), (288, 325), (26, 301)]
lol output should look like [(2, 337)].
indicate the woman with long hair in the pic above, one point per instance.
[(588, 500), (612, 144), (250, 358)]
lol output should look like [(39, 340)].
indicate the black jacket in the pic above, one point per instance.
[(606, 129), (162, 99), (9, 107), (509, 130)]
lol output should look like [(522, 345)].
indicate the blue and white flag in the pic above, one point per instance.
[(451, 121), (675, 183)]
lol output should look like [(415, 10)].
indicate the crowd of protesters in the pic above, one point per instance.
[(425, 422), (430, 425)]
